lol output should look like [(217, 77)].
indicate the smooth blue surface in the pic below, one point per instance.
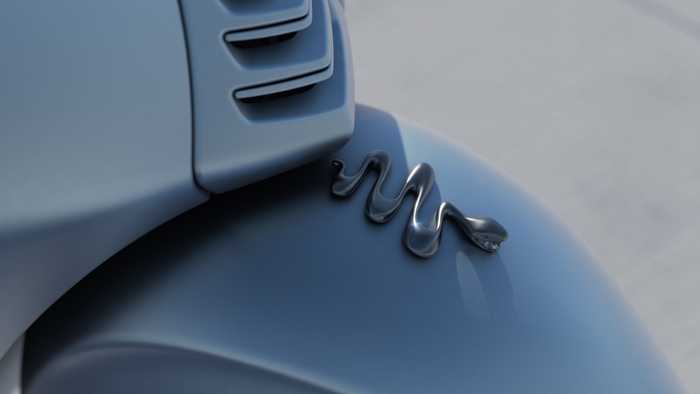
[(95, 141), (281, 276)]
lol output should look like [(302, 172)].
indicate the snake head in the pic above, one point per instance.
[(486, 233), (337, 165)]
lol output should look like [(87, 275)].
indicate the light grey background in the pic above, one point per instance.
[(593, 106)]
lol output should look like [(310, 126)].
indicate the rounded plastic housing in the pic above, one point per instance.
[(280, 287)]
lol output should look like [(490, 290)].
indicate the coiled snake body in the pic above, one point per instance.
[(421, 239)]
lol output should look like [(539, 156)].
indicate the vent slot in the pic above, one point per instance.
[(262, 42), (276, 96), (270, 31), (256, 93), (279, 58), (315, 101), (257, 14)]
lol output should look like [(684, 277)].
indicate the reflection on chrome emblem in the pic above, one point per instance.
[(420, 238)]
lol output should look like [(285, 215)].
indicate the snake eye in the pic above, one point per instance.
[(485, 242)]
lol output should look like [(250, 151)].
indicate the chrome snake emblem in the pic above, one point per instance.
[(421, 239)]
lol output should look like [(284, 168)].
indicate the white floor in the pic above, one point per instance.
[(593, 106)]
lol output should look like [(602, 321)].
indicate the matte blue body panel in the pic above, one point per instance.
[(95, 141), (282, 277)]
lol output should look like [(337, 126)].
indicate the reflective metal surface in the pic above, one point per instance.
[(420, 238)]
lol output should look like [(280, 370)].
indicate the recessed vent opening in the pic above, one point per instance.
[(305, 51), (276, 96), (263, 42), (311, 99), (252, 14), (298, 61), (284, 85), (269, 33)]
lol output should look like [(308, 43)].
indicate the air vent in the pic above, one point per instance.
[(272, 86), (283, 23), (309, 51), (307, 59), (263, 41), (245, 15), (298, 84)]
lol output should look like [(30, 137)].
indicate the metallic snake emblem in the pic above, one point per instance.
[(421, 239)]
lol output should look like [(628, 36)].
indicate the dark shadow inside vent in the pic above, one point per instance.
[(275, 96), (265, 41), (309, 100)]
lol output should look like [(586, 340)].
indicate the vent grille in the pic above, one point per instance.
[(276, 88), (303, 60), (272, 86), (257, 14), (284, 22)]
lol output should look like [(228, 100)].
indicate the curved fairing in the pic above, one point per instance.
[(116, 116), (95, 141), (281, 279)]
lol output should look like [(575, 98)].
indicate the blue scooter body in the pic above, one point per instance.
[(280, 287)]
